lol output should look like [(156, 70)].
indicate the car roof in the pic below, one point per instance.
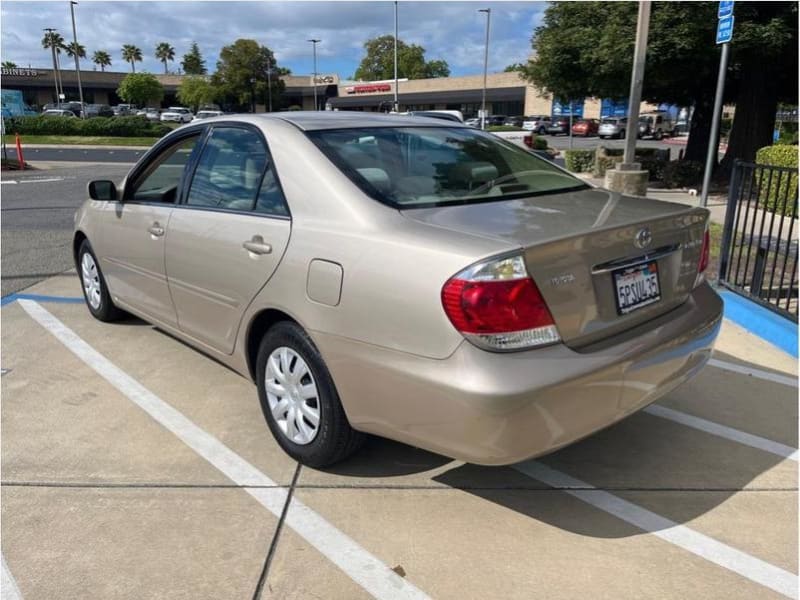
[(317, 120)]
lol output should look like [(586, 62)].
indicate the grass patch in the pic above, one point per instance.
[(72, 140)]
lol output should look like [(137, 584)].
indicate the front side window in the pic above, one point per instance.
[(228, 173), (408, 167), (159, 181)]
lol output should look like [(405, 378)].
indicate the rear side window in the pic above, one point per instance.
[(408, 167), (228, 174)]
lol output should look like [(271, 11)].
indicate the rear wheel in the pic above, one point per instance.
[(542, 130), (299, 399), (95, 290), (622, 134), (658, 135)]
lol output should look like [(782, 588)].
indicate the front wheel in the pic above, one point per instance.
[(299, 399), (95, 290), (658, 135), (622, 134)]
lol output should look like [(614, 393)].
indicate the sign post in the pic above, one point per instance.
[(724, 37)]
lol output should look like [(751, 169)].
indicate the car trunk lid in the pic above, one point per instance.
[(580, 246)]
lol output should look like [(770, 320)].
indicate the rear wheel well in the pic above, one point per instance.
[(258, 328), (76, 245)]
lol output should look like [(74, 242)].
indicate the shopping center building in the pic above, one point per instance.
[(506, 93)]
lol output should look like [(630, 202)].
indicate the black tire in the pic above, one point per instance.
[(658, 135), (335, 440), (622, 134), (542, 131), (105, 311)]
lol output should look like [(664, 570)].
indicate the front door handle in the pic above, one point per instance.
[(257, 245), (156, 230)]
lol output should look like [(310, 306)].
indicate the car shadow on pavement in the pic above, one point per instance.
[(380, 457)]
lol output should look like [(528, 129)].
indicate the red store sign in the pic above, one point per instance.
[(368, 89)]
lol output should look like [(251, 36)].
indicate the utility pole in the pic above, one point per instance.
[(396, 102), (637, 79), (269, 83), (77, 63), (488, 12), (314, 43), (724, 37)]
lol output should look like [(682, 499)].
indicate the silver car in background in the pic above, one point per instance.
[(406, 277), (613, 127)]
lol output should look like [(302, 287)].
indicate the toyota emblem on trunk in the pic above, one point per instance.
[(643, 238)]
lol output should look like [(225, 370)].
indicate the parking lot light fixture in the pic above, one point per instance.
[(77, 60), (637, 79), (314, 44), (488, 12)]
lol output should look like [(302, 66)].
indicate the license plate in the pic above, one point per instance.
[(636, 287)]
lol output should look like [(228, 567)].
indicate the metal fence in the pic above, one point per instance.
[(759, 243)]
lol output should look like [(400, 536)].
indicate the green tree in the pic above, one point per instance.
[(7, 64), (165, 53), (193, 63), (241, 76), (102, 59), (140, 89), (70, 49), (514, 67), (586, 49), (53, 39), (378, 62), (195, 91), (131, 54)]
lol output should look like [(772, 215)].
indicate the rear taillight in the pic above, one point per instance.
[(528, 140), (496, 305), (704, 258)]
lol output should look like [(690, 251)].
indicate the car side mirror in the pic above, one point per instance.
[(102, 189)]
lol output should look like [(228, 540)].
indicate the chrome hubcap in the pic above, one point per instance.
[(292, 395), (91, 280)]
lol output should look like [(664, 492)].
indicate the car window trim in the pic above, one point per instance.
[(153, 155), (183, 199)]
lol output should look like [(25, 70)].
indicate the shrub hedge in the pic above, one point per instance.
[(111, 126), (579, 161), (539, 143), (651, 159), (682, 173), (779, 192)]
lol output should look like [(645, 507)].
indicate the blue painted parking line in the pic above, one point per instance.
[(759, 321), (39, 298)]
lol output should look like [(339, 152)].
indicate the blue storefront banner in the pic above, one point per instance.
[(562, 108), (613, 108)]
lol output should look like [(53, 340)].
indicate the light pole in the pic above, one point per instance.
[(637, 79), (314, 44), (77, 64), (396, 102), (488, 12), (269, 84)]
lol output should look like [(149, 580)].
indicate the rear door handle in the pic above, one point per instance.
[(257, 246), (156, 230)]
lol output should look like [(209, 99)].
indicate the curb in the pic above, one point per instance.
[(761, 322)]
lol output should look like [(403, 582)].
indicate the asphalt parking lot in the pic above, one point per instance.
[(135, 467)]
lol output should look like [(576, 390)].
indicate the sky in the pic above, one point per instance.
[(453, 31)]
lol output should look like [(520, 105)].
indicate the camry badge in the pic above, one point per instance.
[(643, 238)]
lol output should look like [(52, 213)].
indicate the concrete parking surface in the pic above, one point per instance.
[(135, 467)]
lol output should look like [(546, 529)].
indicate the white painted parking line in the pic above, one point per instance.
[(752, 568), (8, 586), (723, 431), (9, 182), (361, 566), (752, 372)]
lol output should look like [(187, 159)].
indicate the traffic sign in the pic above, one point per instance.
[(725, 8), (725, 30)]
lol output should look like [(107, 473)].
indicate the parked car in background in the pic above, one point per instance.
[(121, 110), (514, 121), (177, 114), (473, 122), (612, 127), (585, 127), (151, 114), (59, 112), (495, 120), (98, 110), (537, 123), (542, 312), (559, 126), (447, 115), (74, 107), (655, 124), (206, 114)]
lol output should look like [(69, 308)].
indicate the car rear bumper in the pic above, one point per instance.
[(494, 409)]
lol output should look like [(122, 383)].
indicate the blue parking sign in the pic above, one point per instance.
[(725, 30), (725, 8)]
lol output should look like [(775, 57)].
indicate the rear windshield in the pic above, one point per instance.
[(408, 167)]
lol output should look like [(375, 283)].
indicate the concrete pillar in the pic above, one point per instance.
[(631, 183)]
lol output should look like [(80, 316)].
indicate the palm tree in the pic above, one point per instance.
[(53, 39), (102, 59), (70, 50), (131, 54), (7, 64), (164, 53)]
